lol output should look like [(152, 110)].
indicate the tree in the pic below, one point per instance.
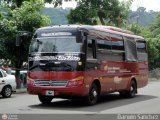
[(155, 42), (105, 11), (152, 37), (152, 47), (83, 15), (141, 16), (24, 18)]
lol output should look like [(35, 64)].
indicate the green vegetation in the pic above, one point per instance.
[(106, 12), (27, 17), (141, 16), (59, 16)]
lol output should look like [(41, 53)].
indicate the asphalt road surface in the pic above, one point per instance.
[(147, 101)]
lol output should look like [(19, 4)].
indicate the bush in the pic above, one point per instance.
[(154, 74)]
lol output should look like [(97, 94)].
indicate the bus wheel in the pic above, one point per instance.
[(123, 93), (133, 90), (45, 99), (92, 98), (130, 93)]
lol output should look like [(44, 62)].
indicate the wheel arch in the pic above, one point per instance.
[(132, 79), (8, 93), (8, 85)]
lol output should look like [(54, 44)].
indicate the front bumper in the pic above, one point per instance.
[(76, 91)]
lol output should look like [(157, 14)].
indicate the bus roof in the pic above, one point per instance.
[(88, 28)]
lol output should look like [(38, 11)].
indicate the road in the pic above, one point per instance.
[(146, 101)]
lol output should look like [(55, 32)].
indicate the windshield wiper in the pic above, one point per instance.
[(34, 66)]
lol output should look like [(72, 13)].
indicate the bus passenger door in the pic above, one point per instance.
[(91, 61)]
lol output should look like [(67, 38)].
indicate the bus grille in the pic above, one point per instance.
[(50, 82)]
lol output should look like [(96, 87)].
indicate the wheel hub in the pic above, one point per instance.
[(94, 93), (8, 92)]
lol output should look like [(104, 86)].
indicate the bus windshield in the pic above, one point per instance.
[(55, 45)]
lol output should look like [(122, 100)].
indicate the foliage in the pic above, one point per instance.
[(82, 14), (13, 3), (153, 40), (155, 26), (107, 11), (24, 18), (152, 37), (141, 16)]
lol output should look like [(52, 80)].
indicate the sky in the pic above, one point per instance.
[(148, 4)]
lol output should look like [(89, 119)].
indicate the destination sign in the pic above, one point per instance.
[(56, 34)]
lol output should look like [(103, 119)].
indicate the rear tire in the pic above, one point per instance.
[(93, 96), (45, 99), (133, 90), (123, 93), (7, 92), (130, 93)]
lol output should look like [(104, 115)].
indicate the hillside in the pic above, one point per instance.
[(142, 17), (58, 16)]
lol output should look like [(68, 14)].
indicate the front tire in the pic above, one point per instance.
[(45, 99), (93, 96), (7, 92)]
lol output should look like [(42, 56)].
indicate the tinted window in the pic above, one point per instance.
[(104, 44), (117, 42), (141, 46), (56, 44)]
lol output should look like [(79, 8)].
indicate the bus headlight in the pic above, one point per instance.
[(76, 81), (30, 81)]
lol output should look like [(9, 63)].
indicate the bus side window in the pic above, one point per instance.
[(104, 45), (130, 48), (141, 46), (118, 52), (117, 42), (141, 50)]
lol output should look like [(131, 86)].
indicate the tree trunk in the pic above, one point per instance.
[(102, 21), (101, 16), (19, 63), (18, 80)]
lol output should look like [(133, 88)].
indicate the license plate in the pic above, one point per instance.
[(49, 93)]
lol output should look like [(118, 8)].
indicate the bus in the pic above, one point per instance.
[(83, 61)]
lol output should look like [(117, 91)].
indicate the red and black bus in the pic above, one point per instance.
[(81, 61)]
